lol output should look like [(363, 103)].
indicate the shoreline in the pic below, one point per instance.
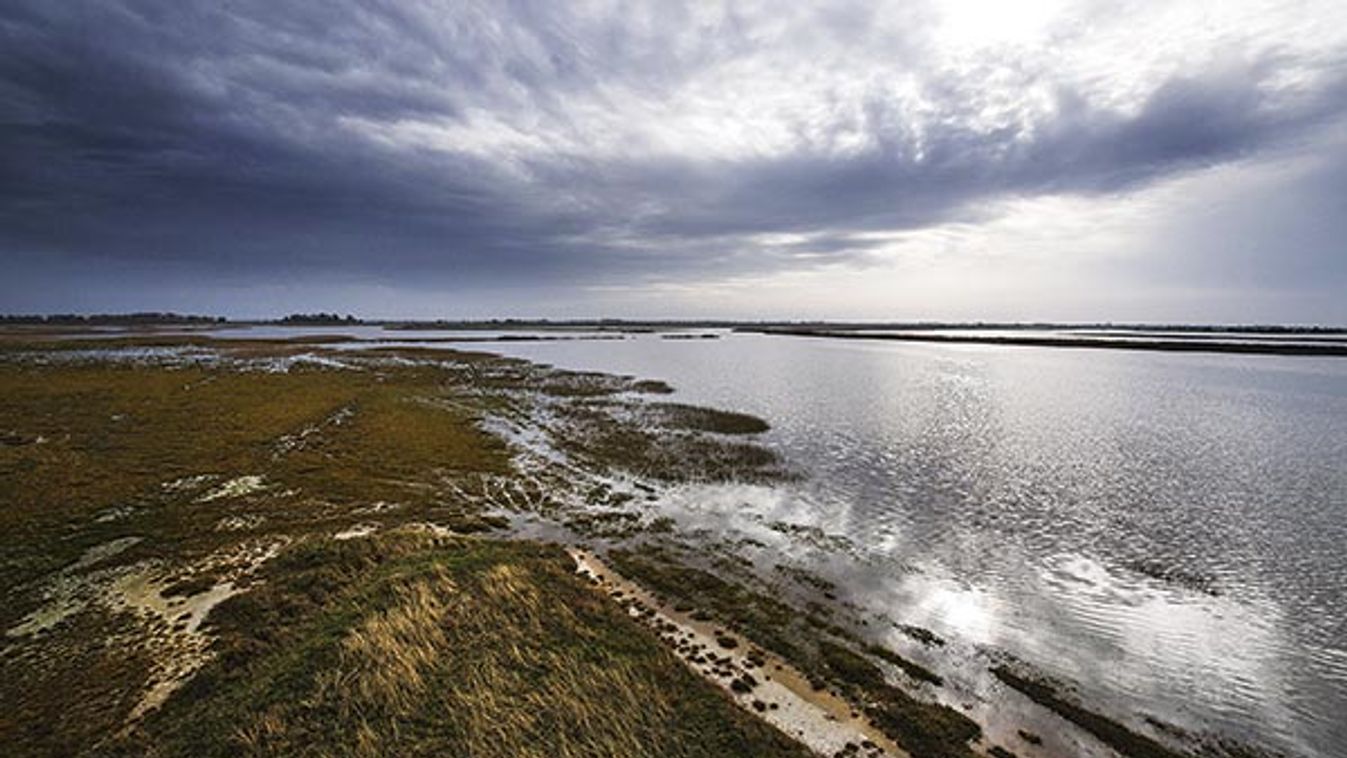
[(1086, 343), (820, 719)]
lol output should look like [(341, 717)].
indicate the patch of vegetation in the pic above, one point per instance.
[(922, 635), (1110, 732), (761, 618), (807, 578), (410, 645), (581, 384), (612, 437), (66, 696), (1171, 574), (679, 416), (652, 387), (812, 535), (604, 523), (1212, 745), (911, 668)]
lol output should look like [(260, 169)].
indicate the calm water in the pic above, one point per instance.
[(1167, 530)]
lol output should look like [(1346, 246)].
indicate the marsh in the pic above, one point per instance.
[(964, 542)]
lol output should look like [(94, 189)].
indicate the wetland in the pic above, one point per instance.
[(229, 543)]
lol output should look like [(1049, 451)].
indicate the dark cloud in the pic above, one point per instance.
[(260, 140)]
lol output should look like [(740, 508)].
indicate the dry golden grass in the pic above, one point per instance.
[(480, 648), (384, 661)]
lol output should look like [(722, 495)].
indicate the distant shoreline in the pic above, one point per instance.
[(1095, 343), (173, 320)]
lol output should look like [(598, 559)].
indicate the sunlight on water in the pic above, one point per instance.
[(1164, 530)]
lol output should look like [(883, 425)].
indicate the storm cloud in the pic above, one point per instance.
[(436, 146)]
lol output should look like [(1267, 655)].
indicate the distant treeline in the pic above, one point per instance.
[(309, 319), (636, 325), (598, 324), (110, 319)]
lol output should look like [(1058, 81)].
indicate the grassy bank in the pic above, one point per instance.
[(412, 644)]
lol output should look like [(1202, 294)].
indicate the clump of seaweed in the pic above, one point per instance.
[(611, 437), (1171, 574)]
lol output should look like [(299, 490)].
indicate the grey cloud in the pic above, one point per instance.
[(210, 136)]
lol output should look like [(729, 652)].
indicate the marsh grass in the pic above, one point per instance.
[(909, 667), (115, 434), (392, 644), (620, 437), (407, 645), (697, 418)]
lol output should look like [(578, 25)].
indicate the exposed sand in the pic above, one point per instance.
[(779, 694), (169, 626), (237, 487), (66, 593), (355, 532), (174, 623)]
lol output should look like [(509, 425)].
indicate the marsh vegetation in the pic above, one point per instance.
[(261, 547)]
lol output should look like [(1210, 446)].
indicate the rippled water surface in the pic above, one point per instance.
[(1168, 530)]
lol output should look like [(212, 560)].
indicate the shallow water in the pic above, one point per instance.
[(1166, 530)]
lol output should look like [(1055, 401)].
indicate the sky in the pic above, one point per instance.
[(1049, 160)]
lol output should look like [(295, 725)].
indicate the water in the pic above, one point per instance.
[(1166, 530)]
